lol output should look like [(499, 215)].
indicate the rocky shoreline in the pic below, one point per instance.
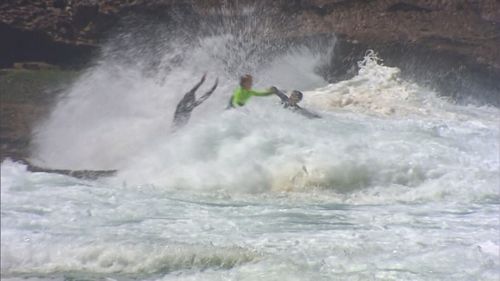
[(464, 27), (452, 44)]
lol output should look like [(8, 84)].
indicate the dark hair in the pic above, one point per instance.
[(245, 78), (298, 94)]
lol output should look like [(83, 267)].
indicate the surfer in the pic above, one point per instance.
[(189, 102), (292, 103), (243, 93)]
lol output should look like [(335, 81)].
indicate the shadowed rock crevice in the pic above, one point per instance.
[(21, 45)]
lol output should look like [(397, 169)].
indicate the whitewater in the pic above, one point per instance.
[(395, 182)]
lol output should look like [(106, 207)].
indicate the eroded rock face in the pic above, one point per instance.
[(467, 27)]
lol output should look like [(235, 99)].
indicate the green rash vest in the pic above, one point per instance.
[(241, 95)]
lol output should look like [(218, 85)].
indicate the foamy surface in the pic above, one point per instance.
[(393, 183)]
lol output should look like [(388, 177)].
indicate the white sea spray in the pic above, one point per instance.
[(393, 183)]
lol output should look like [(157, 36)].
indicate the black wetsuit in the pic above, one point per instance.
[(285, 100), (189, 102)]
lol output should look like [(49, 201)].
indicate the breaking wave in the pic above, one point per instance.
[(378, 131)]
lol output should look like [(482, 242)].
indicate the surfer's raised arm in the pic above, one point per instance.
[(195, 88), (189, 102), (207, 94), (280, 94)]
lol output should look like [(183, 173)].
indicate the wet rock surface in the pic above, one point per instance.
[(466, 27)]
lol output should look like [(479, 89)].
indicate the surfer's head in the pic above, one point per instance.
[(295, 97), (246, 81)]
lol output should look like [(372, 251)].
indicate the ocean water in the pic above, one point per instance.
[(393, 183)]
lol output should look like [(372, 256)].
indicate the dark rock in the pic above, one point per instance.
[(84, 14), (60, 4), (34, 65), (80, 174), (25, 45), (412, 21), (407, 7)]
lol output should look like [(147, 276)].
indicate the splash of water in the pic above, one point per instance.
[(124, 104), (391, 179), (118, 115)]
